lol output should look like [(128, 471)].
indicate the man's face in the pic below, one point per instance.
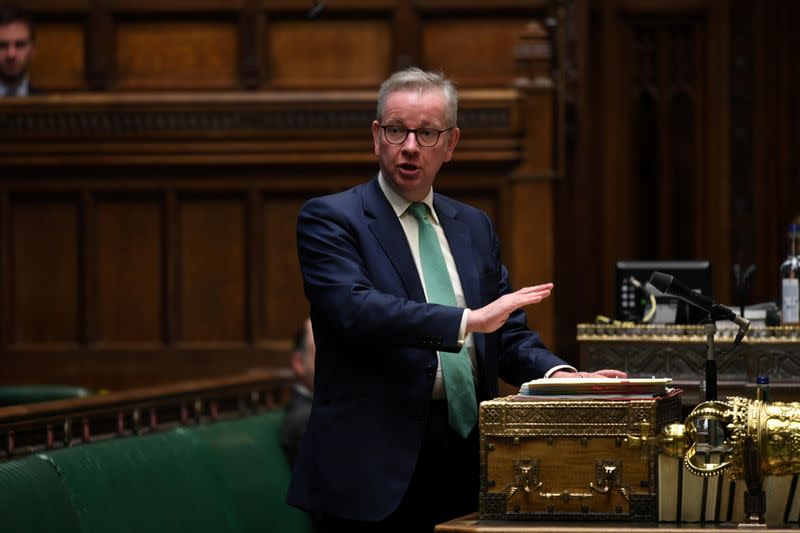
[(16, 50), (408, 167)]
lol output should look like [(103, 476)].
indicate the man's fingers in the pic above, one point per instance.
[(611, 373), (544, 287), (535, 294)]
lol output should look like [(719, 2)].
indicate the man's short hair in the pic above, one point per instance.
[(416, 79), (11, 13)]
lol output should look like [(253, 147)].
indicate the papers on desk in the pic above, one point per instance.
[(596, 388)]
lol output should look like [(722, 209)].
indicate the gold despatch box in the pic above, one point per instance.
[(568, 459)]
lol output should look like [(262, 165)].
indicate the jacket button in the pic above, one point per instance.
[(430, 372), (421, 415)]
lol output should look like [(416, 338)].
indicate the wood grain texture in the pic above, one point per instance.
[(475, 52), (44, 271), (319, 53), (130, 280), (59, 63), (182, 54)]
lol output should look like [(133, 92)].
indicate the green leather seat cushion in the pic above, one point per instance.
[(159, 483), (33, 498), (249, 461)]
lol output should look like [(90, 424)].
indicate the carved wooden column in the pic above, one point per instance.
[(530, 215)]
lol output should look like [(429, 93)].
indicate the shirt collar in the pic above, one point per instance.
[(15, 90), (400, 204)]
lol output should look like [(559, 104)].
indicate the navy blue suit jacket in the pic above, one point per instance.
[(376, 344)]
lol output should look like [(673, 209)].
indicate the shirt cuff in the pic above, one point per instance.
[(462, 329), (559, 367)]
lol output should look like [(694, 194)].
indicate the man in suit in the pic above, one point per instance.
[(392, 441), (16, 51), (299, 406)]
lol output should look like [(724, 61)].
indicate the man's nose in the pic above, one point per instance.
[(411, 142)]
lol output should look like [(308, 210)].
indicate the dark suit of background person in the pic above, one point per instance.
[(378, 446), (299, 406), (17, 48)]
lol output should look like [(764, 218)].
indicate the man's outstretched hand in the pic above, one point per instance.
[(490, 317)]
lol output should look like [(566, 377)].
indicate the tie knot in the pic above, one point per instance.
[(419, 210)]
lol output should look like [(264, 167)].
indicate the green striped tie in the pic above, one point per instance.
[(462, 408)]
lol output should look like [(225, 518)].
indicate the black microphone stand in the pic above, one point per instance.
[(755, 504), (710, 328)]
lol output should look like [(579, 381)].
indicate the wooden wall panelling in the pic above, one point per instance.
[(202, 45), (284, 304), (5, 270), (101, 55), (530, 200), (775, 180), (61, 47), (744, 231), (616, 200), (714, 209), (575, 190), (251, 54), (170, 244), (485, 48), (328, 52), (255, 260), (130, 270), (45, 271), (212, 269), (475, 43), (185, 53), (661, 157), (88, 312), (406, 35)]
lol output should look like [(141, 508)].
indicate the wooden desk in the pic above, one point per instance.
[(472, 522)]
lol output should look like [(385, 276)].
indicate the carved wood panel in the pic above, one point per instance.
[(185, 54), (130, 252), (60, 62), (349, 53)]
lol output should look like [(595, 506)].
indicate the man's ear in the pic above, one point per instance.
[(376, 137), (452, 141)]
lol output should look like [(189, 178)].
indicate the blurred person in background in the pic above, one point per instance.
[(17, 48), (299, 406)]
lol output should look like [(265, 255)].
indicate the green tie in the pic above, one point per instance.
[(462, 408)]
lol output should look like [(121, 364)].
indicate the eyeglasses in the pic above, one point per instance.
[(397, 134)]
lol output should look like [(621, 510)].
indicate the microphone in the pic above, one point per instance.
[(669, 285)]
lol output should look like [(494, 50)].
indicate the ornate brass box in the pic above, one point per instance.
[(571, 459)]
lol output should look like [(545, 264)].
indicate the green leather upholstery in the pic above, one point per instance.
[(156, 483), (33, 498), (19, 394), (222, 477), (250, 463)]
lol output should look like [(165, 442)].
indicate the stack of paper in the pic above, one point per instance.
[(591, 388)]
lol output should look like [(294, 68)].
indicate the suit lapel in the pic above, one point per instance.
[(458, 238), (389, 233)]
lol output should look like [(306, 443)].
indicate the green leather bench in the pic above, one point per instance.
[(24, 394), (228, 476)]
